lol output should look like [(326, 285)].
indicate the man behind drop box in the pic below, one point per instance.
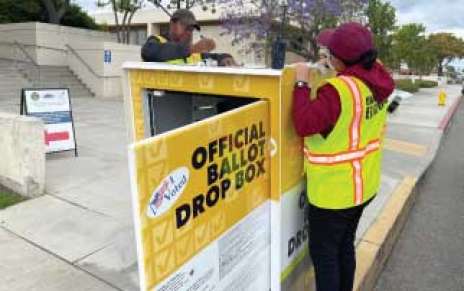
[(178, 48)]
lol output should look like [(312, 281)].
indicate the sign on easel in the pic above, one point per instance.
[(53, 106)]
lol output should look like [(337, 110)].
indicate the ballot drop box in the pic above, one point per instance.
[(217, 178)]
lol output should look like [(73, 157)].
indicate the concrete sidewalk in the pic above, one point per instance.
[(79, 236), (82, 228)]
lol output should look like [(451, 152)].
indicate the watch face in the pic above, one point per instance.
[(301, 84)]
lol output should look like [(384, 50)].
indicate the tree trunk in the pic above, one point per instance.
[(116, 20), (440, 68), (124, 27), (53, 14), (129, 25)]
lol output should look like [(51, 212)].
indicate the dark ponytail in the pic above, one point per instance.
[(367, 60)]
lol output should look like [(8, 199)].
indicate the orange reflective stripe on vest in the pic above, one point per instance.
[(342, 157), (355, 134), (355, 153)]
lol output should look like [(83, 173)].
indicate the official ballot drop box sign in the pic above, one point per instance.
[(217, 178), (53, 106)]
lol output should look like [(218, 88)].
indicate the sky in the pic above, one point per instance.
[(437, 15)]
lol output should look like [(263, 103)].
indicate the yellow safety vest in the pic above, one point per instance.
[(192, 59), (343, 169)]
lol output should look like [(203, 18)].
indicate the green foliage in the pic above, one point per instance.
[(8, 199), (168, 6), (423, 54), (13, 11), (407, 85), (382, 18), (123, 11), (76, 17), (411, 46), (427, 83), (425, 60), (447, 47)]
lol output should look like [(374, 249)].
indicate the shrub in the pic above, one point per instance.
[(427, 83), (407, 85)]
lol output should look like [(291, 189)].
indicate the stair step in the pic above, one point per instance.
[(62, 75), (12, 80), (69, 83)]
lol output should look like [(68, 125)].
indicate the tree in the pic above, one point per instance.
[(171, 5), (381, 19), (124, 11), (425, 59), (447, 47), (77, 17), (56, 9), (12, 11), (411, 46), (257, 22), (406, 42)]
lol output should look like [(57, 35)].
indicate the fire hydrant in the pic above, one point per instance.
[(442, 98)]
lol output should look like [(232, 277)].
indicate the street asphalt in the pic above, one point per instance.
[(429, 254)]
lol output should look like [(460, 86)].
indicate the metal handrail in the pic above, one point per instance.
[(82, 61), (73, 51), (32, 63), (23, 49), (29, 61)]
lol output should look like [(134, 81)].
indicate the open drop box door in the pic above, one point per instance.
[(202, 203)]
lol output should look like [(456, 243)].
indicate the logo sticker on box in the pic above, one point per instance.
[(167, 193)]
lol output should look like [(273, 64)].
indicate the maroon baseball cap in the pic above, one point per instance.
[(348, 42), (323, 38)]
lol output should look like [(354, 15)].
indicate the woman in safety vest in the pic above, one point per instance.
[(343, 131)]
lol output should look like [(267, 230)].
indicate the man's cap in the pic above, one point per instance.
[(185, 17), (349, 42), (324, 36)]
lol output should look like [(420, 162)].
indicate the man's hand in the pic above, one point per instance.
[(302, 72), (204, 45)]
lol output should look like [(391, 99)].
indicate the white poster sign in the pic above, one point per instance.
[(53, 106)]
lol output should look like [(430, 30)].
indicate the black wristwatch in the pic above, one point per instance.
[(301, 84)]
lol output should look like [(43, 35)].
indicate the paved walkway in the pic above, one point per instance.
[(79, 236), (429, 254)]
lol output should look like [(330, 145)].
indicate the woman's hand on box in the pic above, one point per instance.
[(302, 72)]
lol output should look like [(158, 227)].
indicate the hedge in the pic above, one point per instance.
[(427, 83), (407, 85)]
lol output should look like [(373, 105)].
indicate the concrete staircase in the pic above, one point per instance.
[(62, 77), (13, 79)]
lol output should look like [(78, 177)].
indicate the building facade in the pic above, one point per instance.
[(152, 21)]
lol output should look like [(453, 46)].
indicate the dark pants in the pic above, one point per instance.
[(331, 245)]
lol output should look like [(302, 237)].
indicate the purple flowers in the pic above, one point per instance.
[(257, 22)]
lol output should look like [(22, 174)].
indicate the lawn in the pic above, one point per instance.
[(7, 198)]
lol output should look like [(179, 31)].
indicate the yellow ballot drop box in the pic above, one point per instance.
[(217, 178)]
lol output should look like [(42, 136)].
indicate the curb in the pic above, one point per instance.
[(377, 244), (447, 118)]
